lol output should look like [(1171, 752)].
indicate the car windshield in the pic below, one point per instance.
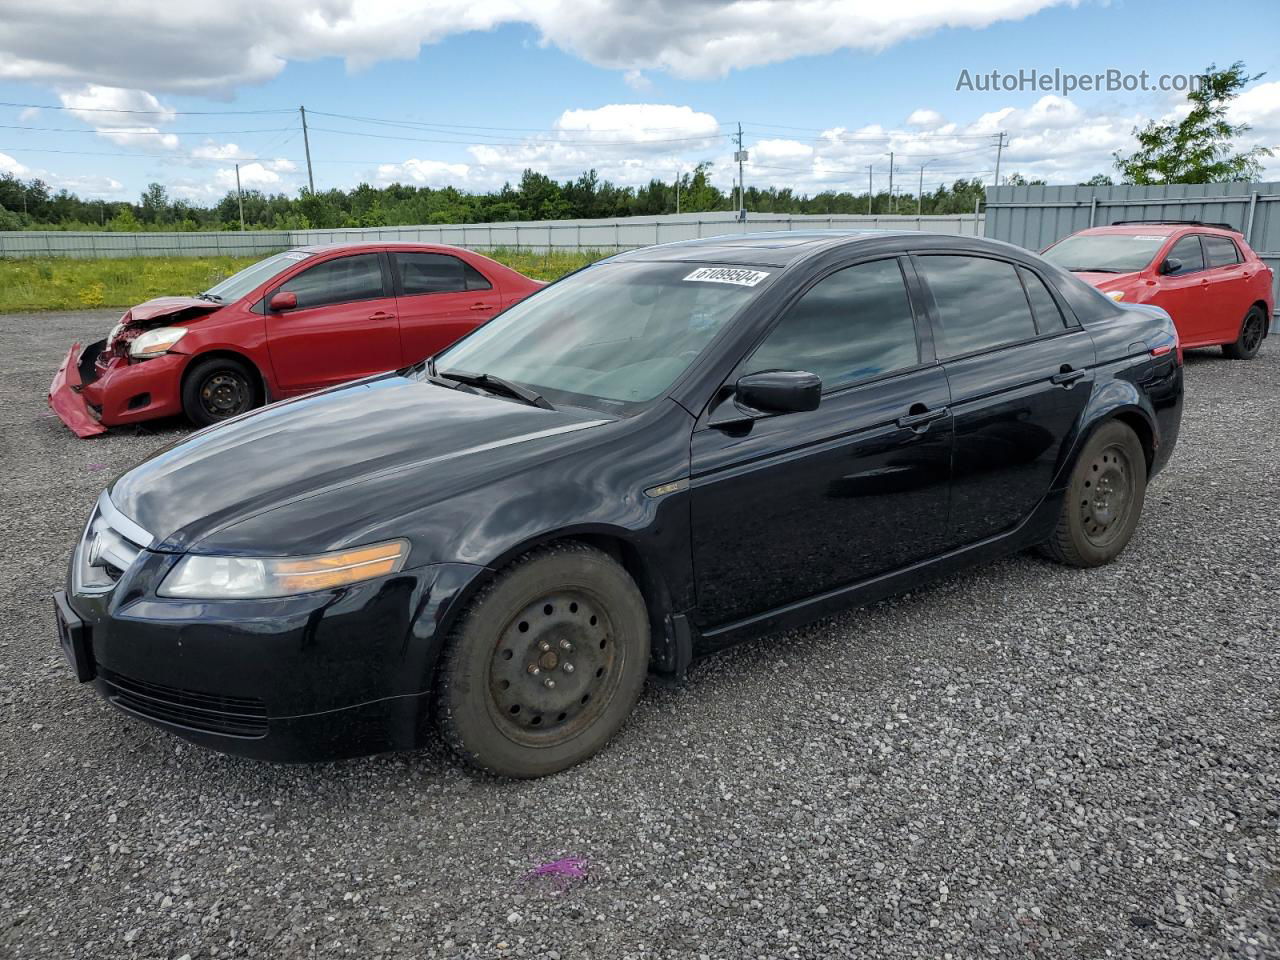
[(238, 284), (1105, 252), (613, 336)]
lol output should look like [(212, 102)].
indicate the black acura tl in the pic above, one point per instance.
[(649, 459)]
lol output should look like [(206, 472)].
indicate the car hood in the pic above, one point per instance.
[(1107, 281), (170, 306), (305, 448)]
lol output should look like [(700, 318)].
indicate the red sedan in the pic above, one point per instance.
[(295, 322), (1205, 275)]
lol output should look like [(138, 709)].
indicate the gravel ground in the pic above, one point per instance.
[(1024, 760)]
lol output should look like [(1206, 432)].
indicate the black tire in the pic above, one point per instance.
[(1252, 329), (218, 389), (545, 664), (1104, 500)]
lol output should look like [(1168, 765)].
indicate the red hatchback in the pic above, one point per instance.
[(1206, 277), (295, 322)]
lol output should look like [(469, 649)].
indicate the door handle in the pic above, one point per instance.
[(381, 315), (919, 417), (482, 306), (1067, 377)]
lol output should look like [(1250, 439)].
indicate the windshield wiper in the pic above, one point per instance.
[(488, 381), (211, 297)]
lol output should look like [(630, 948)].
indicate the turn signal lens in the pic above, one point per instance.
[(1116, 295), (251, 578)]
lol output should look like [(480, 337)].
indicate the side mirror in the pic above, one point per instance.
[(1170, 265), (780, 391), (284, 300)]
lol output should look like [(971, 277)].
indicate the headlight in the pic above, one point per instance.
[(1116, 295), (250, 578), (155, 342)]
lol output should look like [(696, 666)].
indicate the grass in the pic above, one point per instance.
[(66, 284)]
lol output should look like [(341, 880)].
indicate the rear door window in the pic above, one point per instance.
[(980, 303), (1047, 312), (436, 273), (1220, 251), (1188, 251), (341, 280)]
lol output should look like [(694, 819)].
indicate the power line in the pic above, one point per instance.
[(131, 131), (161, 112), (522, 143), (431, 125)]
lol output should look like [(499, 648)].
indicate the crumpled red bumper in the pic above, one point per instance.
[(66, 401)]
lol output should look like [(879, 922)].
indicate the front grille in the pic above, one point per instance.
[(204, 712), (109, 546)]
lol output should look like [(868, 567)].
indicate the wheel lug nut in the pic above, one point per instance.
[(568, 668), (544, 646), (548, 682), (533, 668), (566, 645)]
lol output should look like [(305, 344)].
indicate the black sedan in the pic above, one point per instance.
[(652, 458)]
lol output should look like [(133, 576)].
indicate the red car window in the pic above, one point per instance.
[(1221, 251), (436, 273), (1188, 251), (342, 280)]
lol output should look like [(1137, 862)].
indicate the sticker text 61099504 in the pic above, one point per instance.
[(735, 275)]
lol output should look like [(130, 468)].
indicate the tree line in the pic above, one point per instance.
[(32, 205)]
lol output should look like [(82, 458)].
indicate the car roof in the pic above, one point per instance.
[(372, 244), (1155, 229), (781, 248)]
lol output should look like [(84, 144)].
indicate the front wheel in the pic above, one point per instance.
[(1103, 501), (1252, 330), (218, 389), (545, 664)]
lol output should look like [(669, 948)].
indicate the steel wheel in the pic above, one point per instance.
[(554, 669), (225, 394), (1108, 495)]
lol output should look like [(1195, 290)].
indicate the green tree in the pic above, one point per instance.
[(1099, 180), (155, 203), (1199, 148)]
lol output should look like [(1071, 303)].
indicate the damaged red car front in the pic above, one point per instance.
[(131, 375)]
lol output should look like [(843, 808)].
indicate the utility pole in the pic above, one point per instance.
[(677, 190), (741, 157), (240, 198), (999, 149), (891, 182), (869, 194), (920, 194), (306, 142)]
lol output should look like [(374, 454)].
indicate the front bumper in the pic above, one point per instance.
[(89, 395), (323, 676)]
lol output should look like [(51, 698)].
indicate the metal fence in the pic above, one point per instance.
[(1035, 217), (623, 233)]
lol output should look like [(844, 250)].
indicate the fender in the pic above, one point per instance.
[(1114, 399)]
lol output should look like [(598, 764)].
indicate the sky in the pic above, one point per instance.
[(102, 99)]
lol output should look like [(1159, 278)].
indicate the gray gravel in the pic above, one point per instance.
[(1024, 760)]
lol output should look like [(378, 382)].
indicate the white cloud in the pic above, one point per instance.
[(428, 173), (126, 117), (924, 118), (160, 45), (13, 167), (636, 80)]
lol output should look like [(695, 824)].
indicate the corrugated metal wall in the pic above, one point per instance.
[(614, 234), (1035, 217)]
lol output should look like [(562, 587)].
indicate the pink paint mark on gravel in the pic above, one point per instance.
[(566, 870)]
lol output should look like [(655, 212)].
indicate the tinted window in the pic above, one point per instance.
[(338, 281), (436, 273), (980, 303), (1048, 316), (852, 325), (1188, 251), (1220, 251)]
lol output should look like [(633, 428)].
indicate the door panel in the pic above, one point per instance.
[(1183, 294), (797, 504), (1011, 421), (344, 327), (440, 298), (1228, 293)]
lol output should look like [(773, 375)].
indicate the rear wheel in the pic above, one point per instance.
[(545, 664), (1252, 330), (1103, 501), (217, 389)]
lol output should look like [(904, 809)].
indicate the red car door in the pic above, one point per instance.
[(439, 298), (1183, 291), (343, 327), (1228, 287)]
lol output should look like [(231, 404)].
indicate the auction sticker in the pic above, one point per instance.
[(736, 275)]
